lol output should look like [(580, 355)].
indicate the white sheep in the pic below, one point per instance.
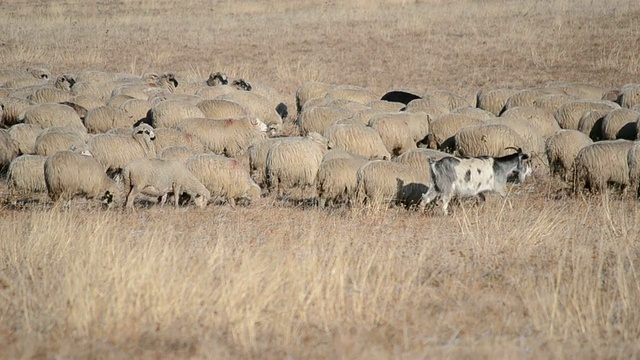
[(443, 129), (419, 159), (13, 110), (159, 177), (58, 138), (385, 106), (353, 93), (225, 178), (541, 119), (591, 124), (357, 139), (259, 106), (473, 112), (167, 137), (561, 149), (311, 90), (25, 135), (9, 150), (49, 115), (115, 151), (601, 164), (382, 182), (629, 96), (487, 140), (620, 124), (319, 118), (447, 98), (26, 175), (257, 153), (401, 131), (427, 105), (136, 110), (222, 109), (568, 115), (494, 100), (553, 102), (336, 180), (525, 98), (294, 163), (178, 153), (68, 174), (229, 137), (170, 113)]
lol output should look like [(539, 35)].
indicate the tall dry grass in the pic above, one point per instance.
[(532, 277)]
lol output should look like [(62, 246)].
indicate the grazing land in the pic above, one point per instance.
[(538, 275)]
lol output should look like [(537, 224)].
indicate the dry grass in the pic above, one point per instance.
[(529, 278)]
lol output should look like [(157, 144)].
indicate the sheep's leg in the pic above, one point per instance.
[(163, 199), (130, 197), (176, 195)]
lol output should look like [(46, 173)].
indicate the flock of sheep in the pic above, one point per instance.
[(119, 137)]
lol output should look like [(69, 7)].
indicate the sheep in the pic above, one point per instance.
[(629, 96), (104, 118), (561, 149), (473, 112), (487, 140), (382, 182), (336, 180), (9, 150), (48, 115), (163, 96), (568, 115), (427, 105), (222, 109), (214, 91), (170, 113), (494, 100), (525, 98), (449, 99), (364, 116), (294, 163), (167, 137), (218, 79), (419, 159), (178, 153), (259, 106), (113, 152), (581, 91), (542, 119), (534, 142), (26, 175), (385, 106), (13, 111), (117, 100), (158, 177), (135, 109), (553, 102), (357, 139), (229, 137), (600, 164), (591, 124), (225, 178), (310, 90), (58, 138), (25, 135), (620, 124), (68, 174), (352, 93), (99, 90), (401, 131), (257, 153), (443, 129), (319, 118), (633, 162)]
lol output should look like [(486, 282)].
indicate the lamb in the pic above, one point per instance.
[(336, 180), (170, 113), (68, 174), (225, 178), (9, 150), (382, 182), (13, 110), (229, 137), (629, 96), (158, 177), (115, 151), (568, 115), (294, 163), (319, 118), (357, 139), (487, 140), (401, 131), (48, 115), (601, 164), (58, 138), (25, 135), (620, 124), (561, 149), (443, 129), (541, 119), (494, 100)]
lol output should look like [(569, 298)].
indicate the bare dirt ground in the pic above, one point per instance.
[(536, 276)]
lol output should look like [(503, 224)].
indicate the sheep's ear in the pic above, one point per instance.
[(254, 121), (330, 145)]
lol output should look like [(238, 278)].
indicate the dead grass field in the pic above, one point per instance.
[(533, 277)]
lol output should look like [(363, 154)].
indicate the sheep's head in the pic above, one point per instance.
[(254, 192), (319, 139), (201, 200), (169, 78), (145, 131), (217, 78), (241, 84), (65, 82), (258, 124), (39, 73), (150, 78), (81, 148)]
